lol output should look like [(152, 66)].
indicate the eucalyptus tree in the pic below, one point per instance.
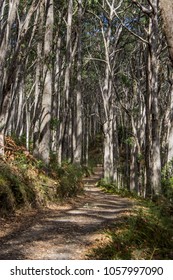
[(8, 16), (73, 69), (167, 11), (107, 89), (15, 27), (152, 144), (46, 106), (77, 144), (108, 32), (130, 93), (58, 74), (154, 48), (65, 128)]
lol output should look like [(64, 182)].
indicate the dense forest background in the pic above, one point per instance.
[(96, 73)]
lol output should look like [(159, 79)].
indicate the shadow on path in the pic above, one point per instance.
[(65, 233)]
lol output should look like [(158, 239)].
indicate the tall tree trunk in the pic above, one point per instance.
[(108, 152), (45, 132), (38, 84), (4, 89), (66, 90), (78, 120), (153, 115), (167, 15)]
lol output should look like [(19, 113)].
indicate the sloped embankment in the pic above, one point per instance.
[(24, 183), (24, 187)]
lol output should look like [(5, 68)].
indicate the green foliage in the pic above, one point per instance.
[(167, 171), (54, 123), (70, 176), (124, 79), (87, 170), (24, 160), (26, 182), (21, 160), (123, 134), (21, 141), (114, 189), (145, 234), (92, 2), (25, 186), (167, 187), (15, 191), (7, 200), (167, 181), (130, 141)]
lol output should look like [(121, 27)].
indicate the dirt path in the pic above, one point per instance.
[(64, 232)]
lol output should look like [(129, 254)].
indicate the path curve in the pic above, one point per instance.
[(65, 233)]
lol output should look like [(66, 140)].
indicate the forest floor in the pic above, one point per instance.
[(64, 231)]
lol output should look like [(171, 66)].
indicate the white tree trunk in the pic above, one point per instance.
[(153, 154), (78, 121), (5, 97), (45, 132), (108, 151)]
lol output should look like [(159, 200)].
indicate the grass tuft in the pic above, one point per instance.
[(143, 234)]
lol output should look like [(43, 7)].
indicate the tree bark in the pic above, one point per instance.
[(78, 119), (5, 94), (45, 132), (167, 12), (170, 134), (153, 93)]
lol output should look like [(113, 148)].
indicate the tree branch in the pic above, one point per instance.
[(143, 8), (134, 34)]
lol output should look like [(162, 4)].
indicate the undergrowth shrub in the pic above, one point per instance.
[(87, 171), (7, 200), (27, 182), (15, 191), (167, 185), (142, 235), (70, 179), (114, 189), (147, 233)]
